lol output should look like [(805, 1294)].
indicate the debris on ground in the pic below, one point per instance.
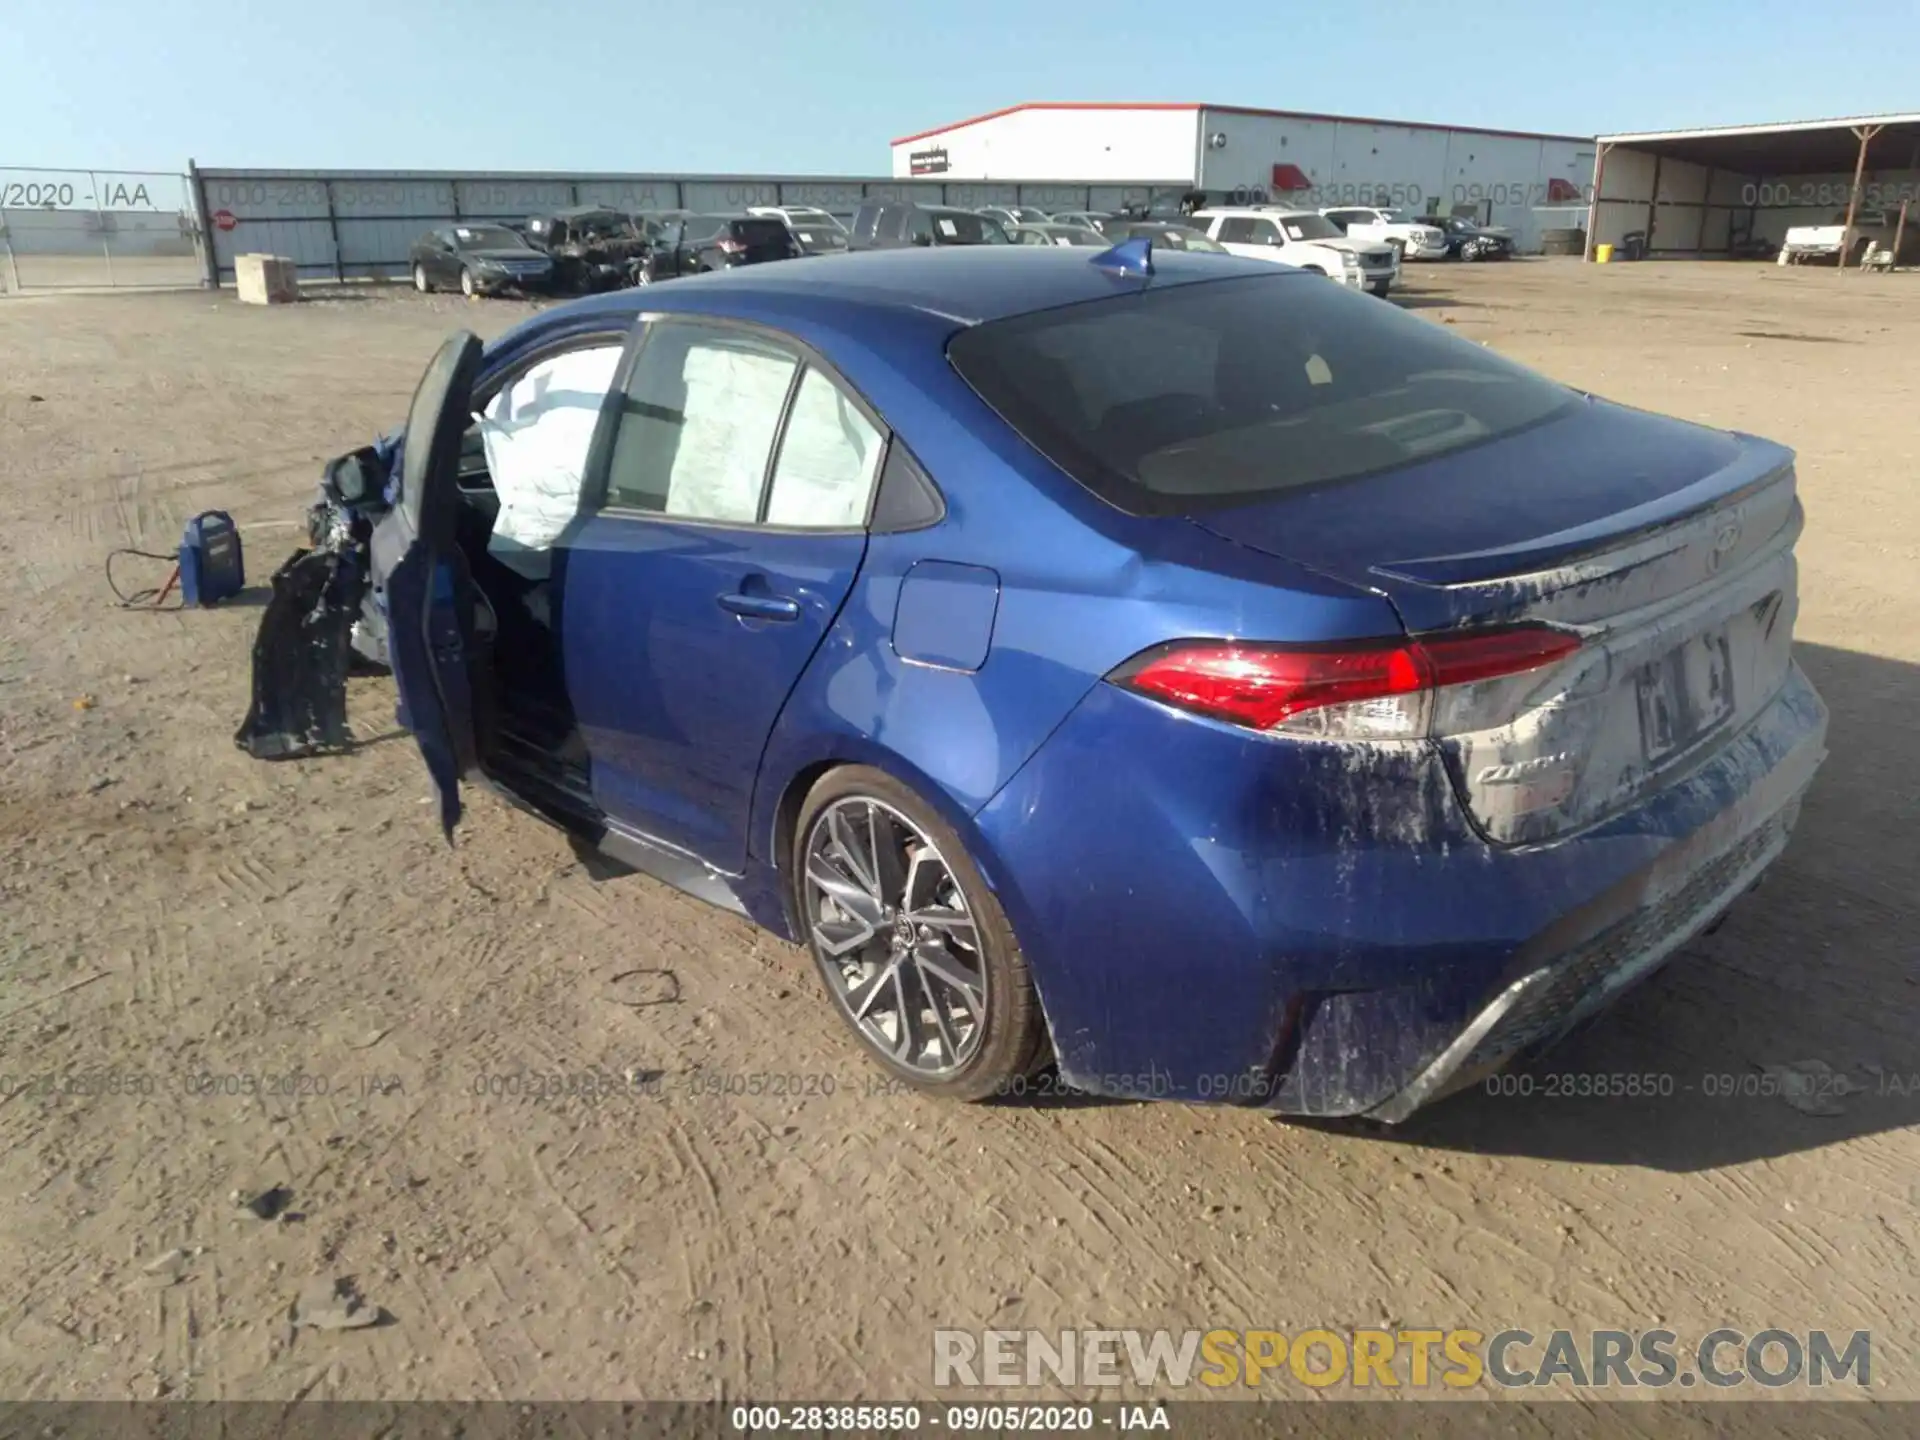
[(171, 1264), (334, 1304), (266, 1204), (645, 987)]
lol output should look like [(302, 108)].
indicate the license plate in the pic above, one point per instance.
[(1684, 695)]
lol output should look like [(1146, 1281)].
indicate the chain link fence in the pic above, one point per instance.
[(97, 229)]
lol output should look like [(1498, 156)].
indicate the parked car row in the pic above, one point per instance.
[(587, 249)]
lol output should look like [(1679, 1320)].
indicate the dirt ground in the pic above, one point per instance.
[(170, 909)]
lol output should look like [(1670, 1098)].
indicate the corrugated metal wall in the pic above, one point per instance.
[(1104, 144), (1518, 181), (352, 225), (1699, 209)]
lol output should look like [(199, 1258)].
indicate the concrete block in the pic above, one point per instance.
[(266, 279)]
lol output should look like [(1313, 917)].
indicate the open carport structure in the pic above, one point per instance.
[(1736, 190)]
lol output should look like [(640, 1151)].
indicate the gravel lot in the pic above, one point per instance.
[(170, 909)]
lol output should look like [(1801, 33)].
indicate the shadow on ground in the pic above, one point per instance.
[(1431, 300)]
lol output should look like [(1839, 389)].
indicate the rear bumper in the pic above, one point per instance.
[(1314, 929), (1557, 989)]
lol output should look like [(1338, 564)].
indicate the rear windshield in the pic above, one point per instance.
[(762, 232), (1164, 402), (1309, 227), (1179, 237), (488, 237), (957, 227)]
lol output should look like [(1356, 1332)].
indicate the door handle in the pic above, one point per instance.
[(761, 607)]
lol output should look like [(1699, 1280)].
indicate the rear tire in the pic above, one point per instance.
[(467, 287), (945, 1003), (420, 281)]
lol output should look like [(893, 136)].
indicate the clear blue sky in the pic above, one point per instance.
[(820, 86)]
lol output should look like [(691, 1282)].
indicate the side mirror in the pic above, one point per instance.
[(353, 477)]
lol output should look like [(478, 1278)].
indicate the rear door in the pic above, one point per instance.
[(430, 597), (1251, 236), (443, 265), (761, 238), (670, 252), (731, 523)]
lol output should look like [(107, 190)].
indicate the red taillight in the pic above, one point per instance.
[(1263, 686), (1266, 686), (1489, 654)]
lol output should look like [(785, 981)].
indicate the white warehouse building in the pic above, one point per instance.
[(1527, 182)]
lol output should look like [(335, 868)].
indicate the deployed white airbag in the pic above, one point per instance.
[(537, 432)]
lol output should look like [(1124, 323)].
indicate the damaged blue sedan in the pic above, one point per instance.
[(1169, 667)]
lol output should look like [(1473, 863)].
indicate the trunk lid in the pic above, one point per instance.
[(1666, 546)]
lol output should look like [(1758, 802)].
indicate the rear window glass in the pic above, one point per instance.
[(1164, 402), (761, 232), (1309, 227), (488, 237), (957, 227)]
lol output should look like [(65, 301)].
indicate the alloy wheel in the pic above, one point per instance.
[(894, 936), (420, 279)]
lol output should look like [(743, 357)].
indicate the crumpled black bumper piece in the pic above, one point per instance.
[(300, 659)]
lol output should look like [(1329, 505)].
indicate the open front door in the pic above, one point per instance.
[(430, 595)]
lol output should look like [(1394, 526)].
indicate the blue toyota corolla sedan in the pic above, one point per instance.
[(1177, 668)]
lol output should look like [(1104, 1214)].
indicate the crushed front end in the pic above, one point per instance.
[(324, 611)]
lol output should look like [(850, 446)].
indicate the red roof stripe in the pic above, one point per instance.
[(1233, 110)]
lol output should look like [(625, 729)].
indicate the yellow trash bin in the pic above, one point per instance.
[(1602, 254)]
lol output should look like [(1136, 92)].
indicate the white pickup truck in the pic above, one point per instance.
[(1414, 239), (1305, 238), (1816, 242)]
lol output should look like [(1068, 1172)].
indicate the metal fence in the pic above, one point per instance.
[(82, 229), (348, 225)]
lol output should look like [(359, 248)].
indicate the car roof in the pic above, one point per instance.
[(1265, 212), (967, 285)]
